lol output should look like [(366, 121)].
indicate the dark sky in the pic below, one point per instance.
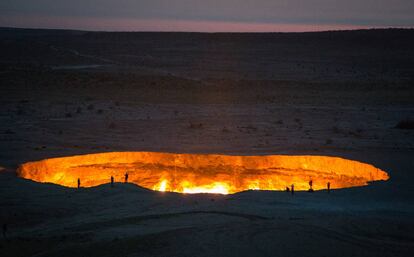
[(207, 15)]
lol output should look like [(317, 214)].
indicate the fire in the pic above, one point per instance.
[(162, 186), (203, 173), (189, 188), (214, 188), (254, 185)]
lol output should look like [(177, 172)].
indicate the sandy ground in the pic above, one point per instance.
[(60, 102)]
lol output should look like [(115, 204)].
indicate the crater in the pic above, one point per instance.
[(203, 173)]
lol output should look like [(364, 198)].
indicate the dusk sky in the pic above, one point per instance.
[(207, 16)]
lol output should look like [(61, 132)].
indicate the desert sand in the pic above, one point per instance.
[(338, 94)]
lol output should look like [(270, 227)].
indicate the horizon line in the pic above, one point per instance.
[(159, 25), (205, 32)]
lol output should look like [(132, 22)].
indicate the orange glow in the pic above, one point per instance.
[(162, 186), (214, 188), (203, 173)]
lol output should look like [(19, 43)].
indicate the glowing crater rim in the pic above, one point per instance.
[(203, 173)]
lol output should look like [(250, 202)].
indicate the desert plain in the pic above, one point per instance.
[(347, 94)]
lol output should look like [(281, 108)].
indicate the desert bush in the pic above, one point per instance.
[(405, 124), (355, 133), (196, 125), (20, 111), (335, 130), (112, 125), (9, 132), (225, 130)]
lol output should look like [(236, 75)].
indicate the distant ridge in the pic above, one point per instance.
[(76, 31)]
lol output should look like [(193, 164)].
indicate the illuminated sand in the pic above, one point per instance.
[(202, 173)]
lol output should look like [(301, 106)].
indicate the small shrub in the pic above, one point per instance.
[(8, 132), (355, 133), (196, 125), (20, 112), (405, 124), (112, 125)]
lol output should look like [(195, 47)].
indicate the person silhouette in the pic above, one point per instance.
[(310, 186), (292, 189), (112, 181), (126, 177), (78, 182), (329, 187)]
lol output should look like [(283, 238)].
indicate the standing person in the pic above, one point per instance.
[(310, 186), (292, 189), (112, 181), (126, 177), (329, 187), (78, 182)]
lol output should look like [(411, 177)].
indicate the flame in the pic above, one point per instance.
[(189, 188), (203, 173), (254, 185), (214, 188), (162, 186)]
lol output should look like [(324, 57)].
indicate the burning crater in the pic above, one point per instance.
[(203, 173)]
